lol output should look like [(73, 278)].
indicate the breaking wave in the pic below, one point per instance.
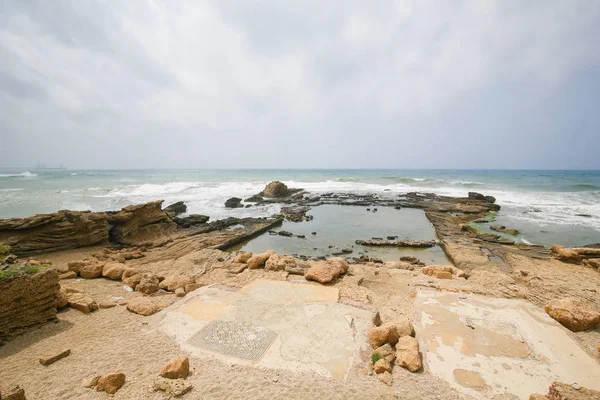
[(25, 174)]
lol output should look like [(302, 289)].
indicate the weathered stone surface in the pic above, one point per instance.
[(53, 232), (243, 257), (380, 335), (386, 378), (81, 302), (148, 284), (178, 368), (402, 327), (129, 272), (325, 272), (47, 360), (279, 263), (140, 223), (12, 393), (573, 313), (133, 280), (91, 271), (172, 387), (110, 383), (146, 305), (176, 208), (113, 270), (565, 255), (233, 202), (276, 189), (61, 299), (563, 391), (27, 301), (382, 365), (407, 354), (258, 260), (68, 275), (175, 282), (386, 351), (397, 243)]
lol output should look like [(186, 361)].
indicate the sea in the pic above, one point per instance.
[(546, 206)]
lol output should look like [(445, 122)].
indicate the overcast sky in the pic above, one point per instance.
[(300, 84)]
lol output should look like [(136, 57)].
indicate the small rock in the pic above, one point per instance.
[(129, 272), (148, 284), (191, 287), (313, 233), (143, 306), (285, 233), (62, 300), (90, 382), (233, 202), (386, 351), (407, 354), (91, 271), (110, 383), (13, 393), (258, 260), (113, 270), (180, 292), (107, 304), (382, 365), (82, 303), (47, 360), (172, 387), (178, 368), (376, 319), (68, 275), (243, 257), (172, 283)]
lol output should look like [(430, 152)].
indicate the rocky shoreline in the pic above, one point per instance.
[(158, 256)]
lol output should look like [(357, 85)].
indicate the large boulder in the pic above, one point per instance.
[(279, 263), (91, 271), (276, 189), (233, 202), (573, 313), (325, 272), (62, 230), (407, 354), (140, 223)]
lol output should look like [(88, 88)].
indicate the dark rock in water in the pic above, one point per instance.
[(192, 219), (584, 215), (398, 207), (375, 238), (295, 214), (254, 199), (248, 205), (285, 233), (397, 243), (503, 229), (365, 258), (272, 232), (368, 209), (490, 199), (176, 208), (534, 210), (481, 221), (476, 196), (337, 253), (330, 247), (313, 233), (392, 237), (374, 210), (410, 259), (592, 246), (347, 251), (376, 260), (276, 189), (301, 236), (233, 202)]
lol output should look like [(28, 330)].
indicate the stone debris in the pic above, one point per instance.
[(47, 360), (172, 387), (110, 383), (386, 351), (407, 354), (573, 313), (178, 368), (143, 306), (386, 378), (81, 302), (242, 257), (382, 365), (148, 284)]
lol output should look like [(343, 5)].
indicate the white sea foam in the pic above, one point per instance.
[(25, 174)]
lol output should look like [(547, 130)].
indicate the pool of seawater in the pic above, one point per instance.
[(338, 227)]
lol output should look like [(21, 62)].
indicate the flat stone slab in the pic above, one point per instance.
[(271, 324), (486, 347)]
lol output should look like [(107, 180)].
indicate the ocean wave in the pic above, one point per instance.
[(581, 187), (25, 174), (349, 179)]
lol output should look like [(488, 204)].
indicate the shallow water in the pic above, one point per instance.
[(340, 226)]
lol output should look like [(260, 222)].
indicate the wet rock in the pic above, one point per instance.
[(176, 208), (113, 270), (397, 243), (573, 313), (254, 199), (285, 233), (47, 360), (584, 215), (178, 368), (301, 236), (503, 229), (233, 202), (243, 257), (172, 388), (476, 196), (325, 272), (313, 233), (407, 354), (295, 214), (410, 259), (191, 220), (110, 383), (276, 189)]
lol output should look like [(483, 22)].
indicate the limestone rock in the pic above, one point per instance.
[(563, 391), (407, 354), (180, 292), (140, 223), (110, 383), (172, 387), (573, 313), (61, 299), (91, 271), (82, 302), (68, 275), (258, 260), (12, 393), (276, 189), (382, 365), (325, 272), (243, 257), (401, 327), (386, 351), (148, 284), (191, 287), (280, 263), (47, 360), (380, 335), (565, 255), (113, 270), (90, 383), (538, 397), (175, 282), (144, 305), (178, 368), (106, 304), (63, 230), (130, 271)]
